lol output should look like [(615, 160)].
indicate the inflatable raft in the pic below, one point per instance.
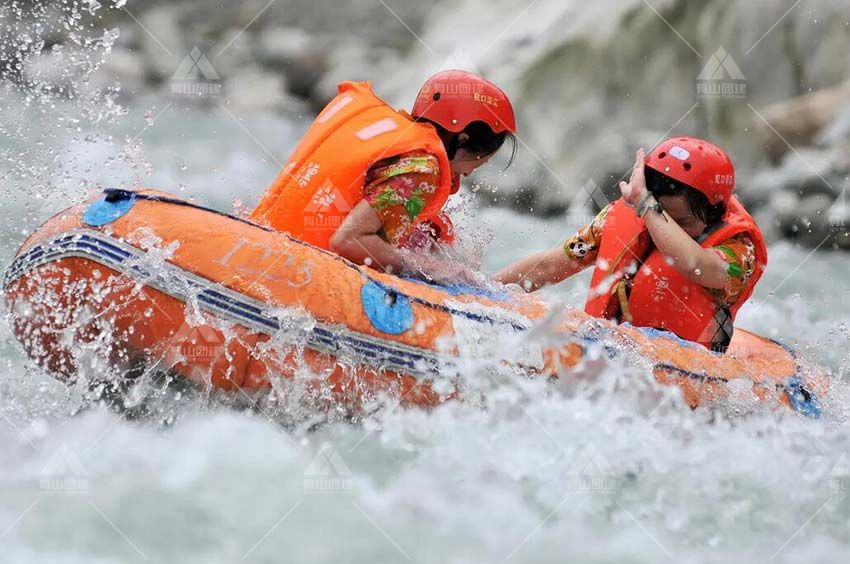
[(143, 278)]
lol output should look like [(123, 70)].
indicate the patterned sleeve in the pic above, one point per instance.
[(740, 256), (583, 247), (399, 188)]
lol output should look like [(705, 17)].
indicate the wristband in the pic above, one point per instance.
[(641, 202), (647, 202)]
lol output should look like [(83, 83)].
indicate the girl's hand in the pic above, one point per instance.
[(636, 187)]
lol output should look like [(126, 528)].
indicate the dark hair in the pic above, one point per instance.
[(482, 141), (662, 185)]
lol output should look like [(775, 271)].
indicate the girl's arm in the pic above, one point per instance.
[(559, 263), (358, 240), (690, 259), (539, 270)]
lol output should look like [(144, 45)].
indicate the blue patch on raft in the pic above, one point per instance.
[(465, 290), (802, 400), (109, 208), (387, 310)]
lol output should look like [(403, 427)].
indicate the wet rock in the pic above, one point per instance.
[(816, 221), (302, 57), (164, 47), (837, 132), (597, 70), (805, 172), (798, 121), (355, 60), (769, 224), (233, 53), (590, 81), (255, 89)]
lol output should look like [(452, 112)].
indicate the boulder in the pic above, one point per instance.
[(817, 220), (799, 120), (807, 171), (838, 131), (302, 57), (164, 47), (256, 89)]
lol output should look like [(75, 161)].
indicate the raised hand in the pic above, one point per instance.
[(634, 190)]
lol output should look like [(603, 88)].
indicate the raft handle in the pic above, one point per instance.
[(116, 195)]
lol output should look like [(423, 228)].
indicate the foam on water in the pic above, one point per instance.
[(611, 468), (601, 466)]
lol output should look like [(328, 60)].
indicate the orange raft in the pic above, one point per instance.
[(142, 277)]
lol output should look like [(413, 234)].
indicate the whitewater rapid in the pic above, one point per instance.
[(607, 469)]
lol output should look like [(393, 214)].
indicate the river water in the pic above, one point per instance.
[(607, 469)]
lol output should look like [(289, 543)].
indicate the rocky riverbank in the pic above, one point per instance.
[(591, 80)]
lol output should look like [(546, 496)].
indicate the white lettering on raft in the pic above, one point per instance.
[(250, 266)]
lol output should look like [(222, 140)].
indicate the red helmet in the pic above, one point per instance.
[(456, 98), (697, 163)]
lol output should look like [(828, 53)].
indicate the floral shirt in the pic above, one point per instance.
[(399, 188), (738, 252)]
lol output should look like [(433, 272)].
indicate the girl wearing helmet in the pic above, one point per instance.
[(367, 181), (677, 252)]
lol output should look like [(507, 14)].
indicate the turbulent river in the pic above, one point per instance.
[(612, 468)]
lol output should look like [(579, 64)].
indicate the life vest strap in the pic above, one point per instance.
[(623, 297)]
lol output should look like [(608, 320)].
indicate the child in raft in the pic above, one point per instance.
[(678, 252), (369, 182)]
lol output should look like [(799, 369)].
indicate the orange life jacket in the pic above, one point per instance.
[(660, 297), (324, 178)]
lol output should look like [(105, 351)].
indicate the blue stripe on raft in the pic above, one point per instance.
[(445, 309), (118, 255), (240, 310), (801, 399), (460, 288), (371, 345), (588, 339), (363, 349), (691, 375), (115, 249), (56, 249), (464, 289), (658, 333)]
